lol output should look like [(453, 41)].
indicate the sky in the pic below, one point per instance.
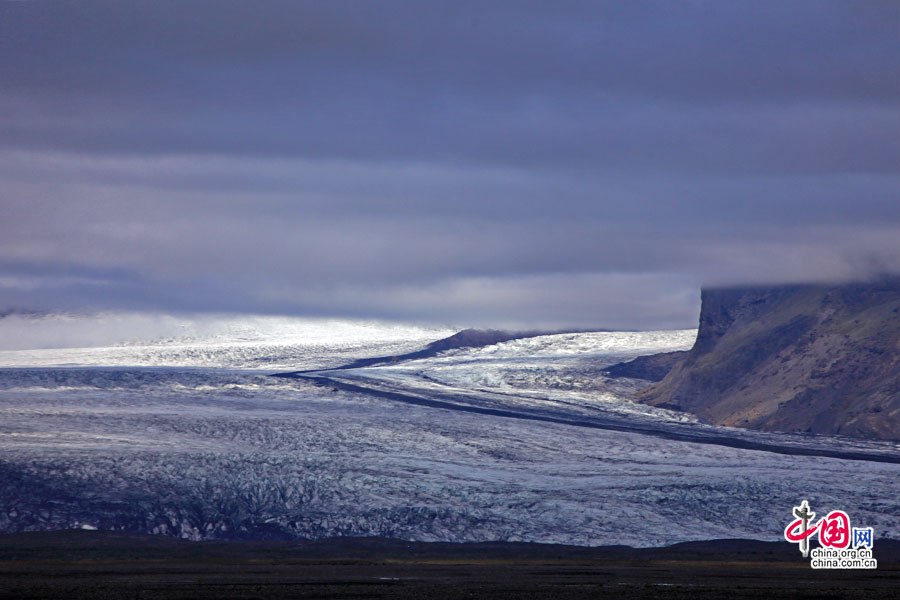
[(510, 164)]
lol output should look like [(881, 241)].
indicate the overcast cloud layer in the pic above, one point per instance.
[(485, 163)]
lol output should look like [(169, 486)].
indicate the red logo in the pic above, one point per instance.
[(834, 530)]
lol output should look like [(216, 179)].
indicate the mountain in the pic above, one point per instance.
[(809, 358), (651, 367)]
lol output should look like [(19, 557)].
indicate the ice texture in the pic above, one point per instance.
[(184, 439), (259, 343)]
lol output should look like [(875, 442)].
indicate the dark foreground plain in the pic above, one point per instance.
[(100, 565)]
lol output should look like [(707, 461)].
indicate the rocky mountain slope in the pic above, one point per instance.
[(814, 358), (652, 367)]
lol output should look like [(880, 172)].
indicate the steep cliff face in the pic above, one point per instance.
[(816, 358)]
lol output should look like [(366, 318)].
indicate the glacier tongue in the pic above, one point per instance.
[(231, 453)]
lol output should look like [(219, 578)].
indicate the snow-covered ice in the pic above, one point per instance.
[(189, 436), (238, 342)]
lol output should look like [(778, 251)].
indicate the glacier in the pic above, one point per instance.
[(189, 435)]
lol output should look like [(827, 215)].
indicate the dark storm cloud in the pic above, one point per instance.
[(546, 162), (691, 50)]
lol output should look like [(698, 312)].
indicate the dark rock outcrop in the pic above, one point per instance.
[(652, 367), (810, 358)]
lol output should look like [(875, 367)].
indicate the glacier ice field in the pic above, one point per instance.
[(186, 433)]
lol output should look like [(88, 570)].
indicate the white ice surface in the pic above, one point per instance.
[(229, 342), (221, 452)]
